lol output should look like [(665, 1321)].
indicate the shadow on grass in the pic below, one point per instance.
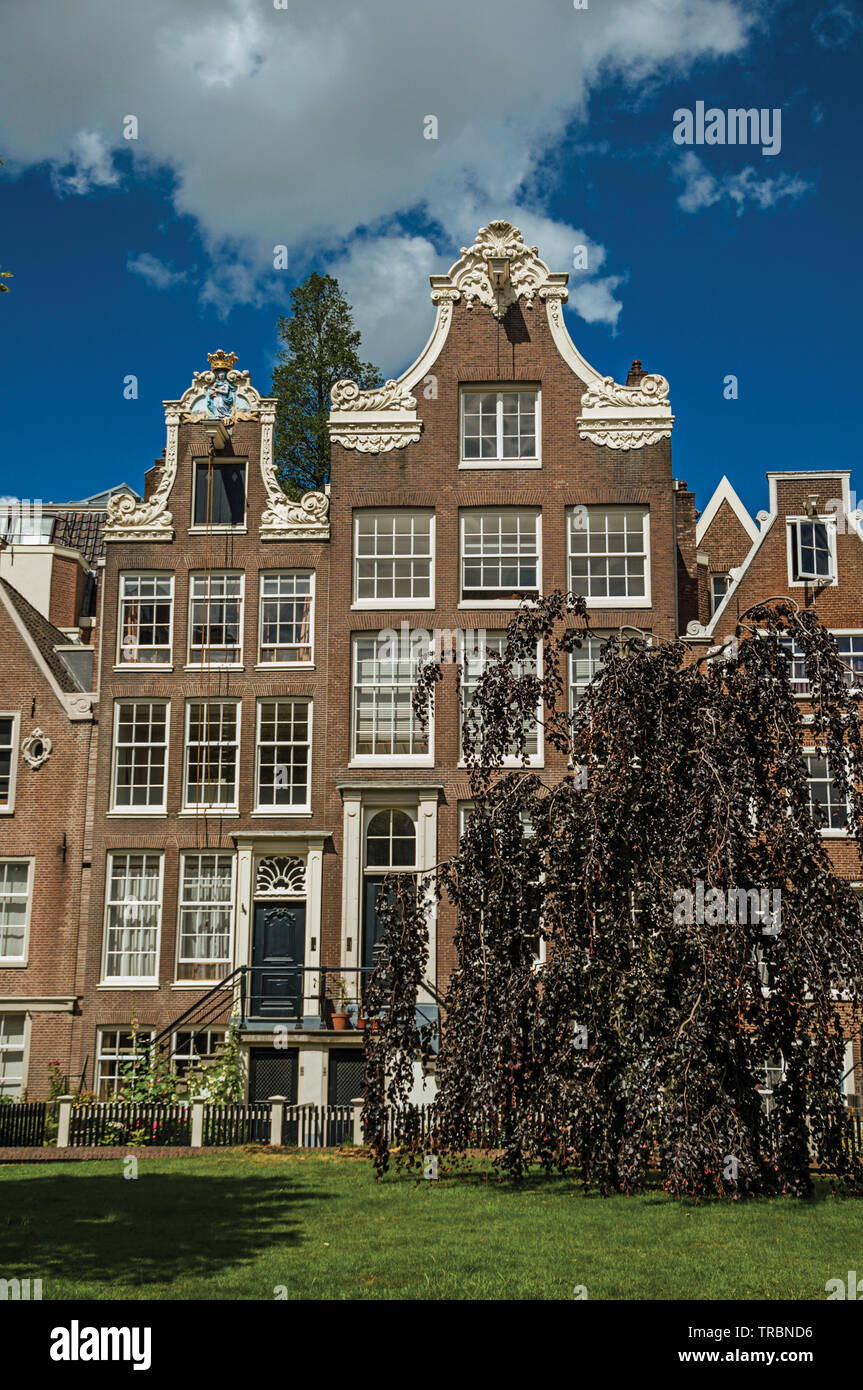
[(101, 1229), (652, 1194)]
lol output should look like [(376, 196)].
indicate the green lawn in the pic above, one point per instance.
[(239, 1223)]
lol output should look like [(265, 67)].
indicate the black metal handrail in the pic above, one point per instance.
[(219, 997)]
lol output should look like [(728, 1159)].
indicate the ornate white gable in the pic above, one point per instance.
[(218, 398), (618, 417)]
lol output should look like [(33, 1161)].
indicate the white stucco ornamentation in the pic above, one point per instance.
[(626, 417), (526, 272), (616, 416), (219, 398), (36, 749), (148, 521), (280, 876), (373, 421), (346, 395), (649, 391), (283, 518)]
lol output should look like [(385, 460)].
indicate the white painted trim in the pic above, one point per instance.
[(133, 810), (77, 705), (14, 753), (198, 528), (120, 981), (186, 853), (45, 1004), (206, 808), (618, 601), (383, 759), (499, 388), (20, 962), (227, 571), (833, 581), (725, 493), (306, 807), (393, 604), (160, 667), (286, 665), (813, 475), (481, 603)]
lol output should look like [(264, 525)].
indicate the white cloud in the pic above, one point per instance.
[(89, 165), (156, 272), (594, 301), (701, 189), (833, 28), (304, 126)]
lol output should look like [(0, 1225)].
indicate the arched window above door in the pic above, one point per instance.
[(391, 841)]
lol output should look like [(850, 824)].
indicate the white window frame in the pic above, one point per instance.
[(283, 809), (582, 653), (501, 389), (117, 1055), (715, 602), (262, 598), (383, 759), (183, 905), (215, 1037), (18, 962), (408, 808), (821, 582), (123, 600), (193, 664), (392, 603), (213, 807), (618, 601), (130, 981), (504, 603), (856, 687), (8, 809), (24, 1049), (197, 528), (131, 809), (536, 759), (825, 831)]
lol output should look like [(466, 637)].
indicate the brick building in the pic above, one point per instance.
[(808, 545), (259, 767)]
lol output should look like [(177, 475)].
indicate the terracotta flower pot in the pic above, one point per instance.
[(341, 1022)]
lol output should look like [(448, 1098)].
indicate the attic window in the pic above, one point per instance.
[(811, 551), (220, 493)]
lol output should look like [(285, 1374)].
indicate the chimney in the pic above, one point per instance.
[(635, 373)]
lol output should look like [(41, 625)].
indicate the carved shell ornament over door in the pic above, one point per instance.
[(280, 876), (36, 749)]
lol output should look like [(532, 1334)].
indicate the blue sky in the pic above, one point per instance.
[(303, 126)]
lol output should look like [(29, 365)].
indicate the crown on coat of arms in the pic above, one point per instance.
[(221, 360)]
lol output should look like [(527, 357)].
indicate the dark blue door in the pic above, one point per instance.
[(278, 953), (373, 927)]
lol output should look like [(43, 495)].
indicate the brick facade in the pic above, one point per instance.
[(596, 450)]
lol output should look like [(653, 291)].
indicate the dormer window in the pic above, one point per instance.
[(220, 494), (811, 551), (500, 428)]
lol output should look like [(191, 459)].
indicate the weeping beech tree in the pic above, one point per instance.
[(642, 940)]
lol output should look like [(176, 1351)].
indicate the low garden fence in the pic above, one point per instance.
[(226, 1125), (200, 1125), (99, 1125), (22, 1124)]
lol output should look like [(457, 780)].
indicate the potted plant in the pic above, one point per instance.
[(341, 1017)]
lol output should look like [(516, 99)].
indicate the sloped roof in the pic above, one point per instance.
[(81, 531), (46, 636)]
